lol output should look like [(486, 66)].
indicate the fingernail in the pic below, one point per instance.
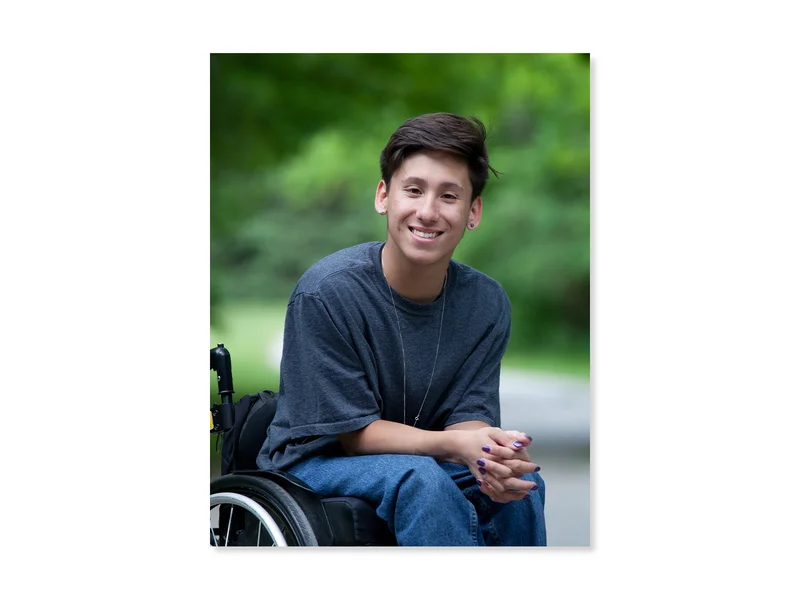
[(535, 487), (538, 468), (482, 470), (486, 449), (517, 445), (481, 462), (529, 437), (480, 483)]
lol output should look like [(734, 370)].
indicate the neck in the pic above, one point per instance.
[(418, 283)]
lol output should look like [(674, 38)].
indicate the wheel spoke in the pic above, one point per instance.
[(235, 502), (213, 537), (228, 534)]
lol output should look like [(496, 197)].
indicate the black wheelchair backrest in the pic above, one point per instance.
[(241, 445)]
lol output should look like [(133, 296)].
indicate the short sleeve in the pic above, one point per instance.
[(322, 378), (479, 392)]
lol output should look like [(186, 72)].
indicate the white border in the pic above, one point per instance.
[(105, 241)]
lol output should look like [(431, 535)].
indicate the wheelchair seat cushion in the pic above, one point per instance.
[(354, 522)]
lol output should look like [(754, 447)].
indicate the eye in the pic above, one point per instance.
[(414, 190), (450, 197)]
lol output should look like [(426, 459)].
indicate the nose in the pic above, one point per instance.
[(426, 209)]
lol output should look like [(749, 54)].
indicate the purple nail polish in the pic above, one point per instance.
[(529, 437), (538, 468), (481, 462), (482, 470), (486, 449), (517, 445), (480, 483), (535, 486)]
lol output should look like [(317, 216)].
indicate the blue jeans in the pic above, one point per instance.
[(427, 503)]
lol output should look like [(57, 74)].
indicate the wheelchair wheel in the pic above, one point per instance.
[(253, 511)]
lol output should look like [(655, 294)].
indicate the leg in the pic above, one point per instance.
[(517, 523), (419, 501)]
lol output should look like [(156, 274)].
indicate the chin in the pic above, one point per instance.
[(421, 257)]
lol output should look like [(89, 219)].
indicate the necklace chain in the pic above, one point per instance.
[(402, 348)]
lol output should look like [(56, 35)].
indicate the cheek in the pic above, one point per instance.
[(457, 215), (403, 209)]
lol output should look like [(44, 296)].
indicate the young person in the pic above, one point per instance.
[(391, 361)]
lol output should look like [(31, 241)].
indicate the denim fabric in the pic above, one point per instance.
[(427, 503)]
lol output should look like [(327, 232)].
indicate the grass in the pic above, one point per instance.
[(248, 332), (574, 365)]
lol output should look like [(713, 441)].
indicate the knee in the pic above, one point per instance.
[(423, 467), (423, 472)]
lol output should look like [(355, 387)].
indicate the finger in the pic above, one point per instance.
[(513, 440), (514, 484), (518, 436), (487, 489), (498, 469), (498, 451), (492, 489), (490, 484), (510, 496), (522, 454), (502, 438), (504, 484), (520, 467)]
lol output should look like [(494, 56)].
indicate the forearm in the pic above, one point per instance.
[(388, 437), (467, 426)]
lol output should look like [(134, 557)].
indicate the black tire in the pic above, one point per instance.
[(284, 509)]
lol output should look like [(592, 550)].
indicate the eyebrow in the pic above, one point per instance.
[(421, 181)]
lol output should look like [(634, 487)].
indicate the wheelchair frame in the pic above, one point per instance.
[(257, 507)]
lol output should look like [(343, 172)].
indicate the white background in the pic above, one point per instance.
[(104, 133)]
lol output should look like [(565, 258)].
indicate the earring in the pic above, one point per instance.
[(472, 225), (382, 211)]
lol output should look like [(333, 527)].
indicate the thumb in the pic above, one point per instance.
[(518, 436), (506, 439)]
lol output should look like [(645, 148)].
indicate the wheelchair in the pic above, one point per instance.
[(255, 507)]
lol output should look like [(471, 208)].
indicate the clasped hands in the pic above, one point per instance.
[(498, 459)]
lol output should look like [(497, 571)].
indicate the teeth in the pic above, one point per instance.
[(423, 234)]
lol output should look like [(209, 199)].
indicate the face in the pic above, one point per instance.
[(428, 207)]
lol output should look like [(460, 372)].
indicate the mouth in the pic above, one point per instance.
[(424, 234)]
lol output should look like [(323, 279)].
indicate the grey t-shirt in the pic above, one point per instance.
[(342, 365)]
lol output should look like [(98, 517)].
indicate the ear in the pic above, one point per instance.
[(380, 197), (475, 212)]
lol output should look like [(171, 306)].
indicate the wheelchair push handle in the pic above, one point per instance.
[(221, 363)]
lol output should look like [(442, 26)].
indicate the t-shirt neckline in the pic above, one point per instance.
[(401, 302)]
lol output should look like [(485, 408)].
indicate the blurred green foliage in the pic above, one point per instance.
[(295, 140)]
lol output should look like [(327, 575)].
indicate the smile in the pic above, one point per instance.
[(424, 234)]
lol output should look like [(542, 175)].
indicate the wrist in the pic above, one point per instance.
[(452, 446)]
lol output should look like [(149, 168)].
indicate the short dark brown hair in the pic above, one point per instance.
[(462, 137)]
